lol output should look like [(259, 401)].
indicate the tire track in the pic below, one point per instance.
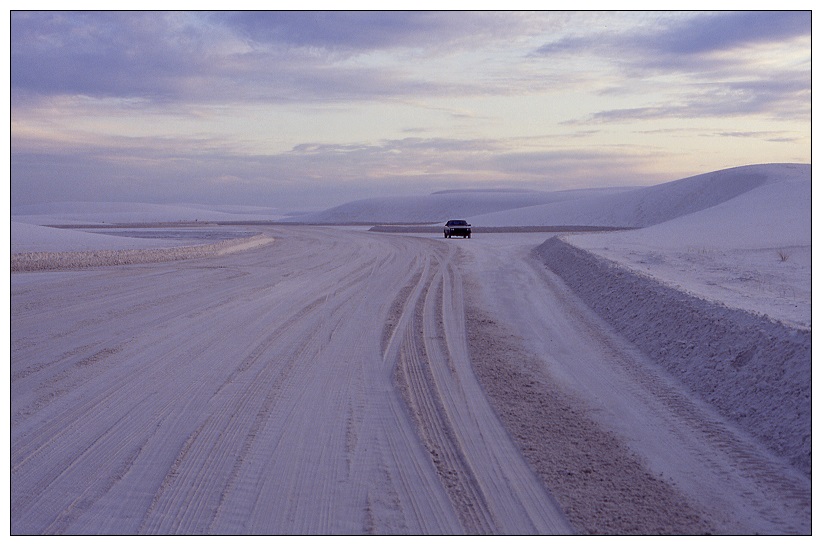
[(73, 374), (423, 398), (211, 461), (111, 456), (245, 403)]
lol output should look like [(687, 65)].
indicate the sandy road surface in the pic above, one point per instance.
[(316, 385), (327, 383)]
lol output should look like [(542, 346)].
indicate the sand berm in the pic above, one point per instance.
[(754, 370)]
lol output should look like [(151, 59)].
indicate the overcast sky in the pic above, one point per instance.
[(291, 109)]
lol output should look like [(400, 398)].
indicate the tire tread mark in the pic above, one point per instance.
[(421, 394)]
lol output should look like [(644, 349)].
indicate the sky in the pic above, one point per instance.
[(300, 110)]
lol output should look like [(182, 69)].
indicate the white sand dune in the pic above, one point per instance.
[(441, 206), (642, 207), (613, 207), (751, 252)]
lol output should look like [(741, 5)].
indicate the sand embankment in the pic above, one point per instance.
[(754, 370), (48, 261)]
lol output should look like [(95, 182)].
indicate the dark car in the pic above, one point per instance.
[(457, 227)]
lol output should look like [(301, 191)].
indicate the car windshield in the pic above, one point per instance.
[(458, 222)]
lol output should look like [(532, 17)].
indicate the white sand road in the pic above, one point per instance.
[(338, 381)]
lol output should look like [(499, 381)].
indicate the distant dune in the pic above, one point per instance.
[(441, 206), (750, 204), (642, 207), (615, 207)]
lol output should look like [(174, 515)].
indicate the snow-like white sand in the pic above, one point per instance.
[(343, 393), (741, 236), (444, 205), (751, 252), (27, 237)]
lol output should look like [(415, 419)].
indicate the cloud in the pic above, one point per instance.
[(679, 40), (345, 31), (106, 54), (238, 56), (281, 57), (686, 65), (785, 96), (725, 31)]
